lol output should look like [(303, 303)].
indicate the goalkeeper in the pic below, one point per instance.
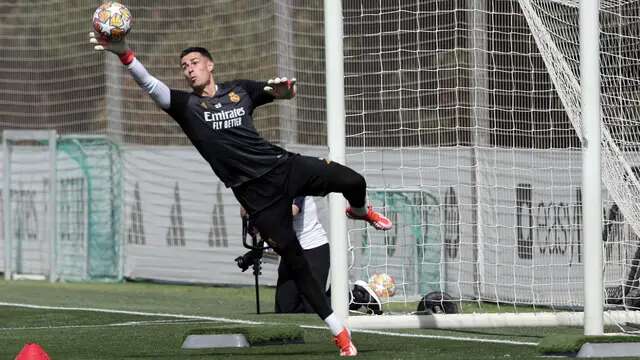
[(217, 119)]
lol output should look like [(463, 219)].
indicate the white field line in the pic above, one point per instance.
[(438, 337), (128, 323), (139, 313), (190, 318)]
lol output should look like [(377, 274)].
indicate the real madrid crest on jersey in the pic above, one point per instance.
[(234, 97)]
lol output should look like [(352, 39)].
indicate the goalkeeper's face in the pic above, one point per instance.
[(197, 69)]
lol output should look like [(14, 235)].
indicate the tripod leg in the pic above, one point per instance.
[(256, 274)]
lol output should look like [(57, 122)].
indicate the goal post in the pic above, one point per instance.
[(23, 245), (336, 143), (591, 168), (62, 206), (90, 208)]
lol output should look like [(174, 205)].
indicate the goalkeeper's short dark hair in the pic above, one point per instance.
[(201, 50)]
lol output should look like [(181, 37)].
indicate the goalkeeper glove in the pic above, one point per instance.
[(119, 48), (281, 88)]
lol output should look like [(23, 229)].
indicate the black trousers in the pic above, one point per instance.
[(268, 200), (289, 298)]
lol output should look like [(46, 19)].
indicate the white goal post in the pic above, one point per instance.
[(591, 169), (61, 207), (23, 248)]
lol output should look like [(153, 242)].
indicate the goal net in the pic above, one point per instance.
[(465, 118)]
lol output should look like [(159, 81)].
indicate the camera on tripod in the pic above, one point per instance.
[(250, 258)]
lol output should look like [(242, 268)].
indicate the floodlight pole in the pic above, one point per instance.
[(591, 166)]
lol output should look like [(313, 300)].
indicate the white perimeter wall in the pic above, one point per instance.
[(182, 224)]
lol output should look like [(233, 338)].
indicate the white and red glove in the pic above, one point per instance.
[(281, 88), (119, 48)]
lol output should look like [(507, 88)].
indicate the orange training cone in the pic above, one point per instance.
[(32, 351)]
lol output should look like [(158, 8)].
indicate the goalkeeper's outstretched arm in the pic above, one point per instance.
[(158, 90)]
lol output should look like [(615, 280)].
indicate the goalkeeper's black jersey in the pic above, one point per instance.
[(221, 128)]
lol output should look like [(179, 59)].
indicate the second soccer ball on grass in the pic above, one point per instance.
[(383, 284)]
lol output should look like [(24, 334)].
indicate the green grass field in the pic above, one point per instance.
[(150, 321)]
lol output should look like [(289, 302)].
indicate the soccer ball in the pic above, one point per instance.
[(112, 21), (382, 284)]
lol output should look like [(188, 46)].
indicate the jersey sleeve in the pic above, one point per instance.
[(256, 92), (178, 104), (158, 91)]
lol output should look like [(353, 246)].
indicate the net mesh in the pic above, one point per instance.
[(476, 105)]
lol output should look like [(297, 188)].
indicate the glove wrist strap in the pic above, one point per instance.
[(127, 57)]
